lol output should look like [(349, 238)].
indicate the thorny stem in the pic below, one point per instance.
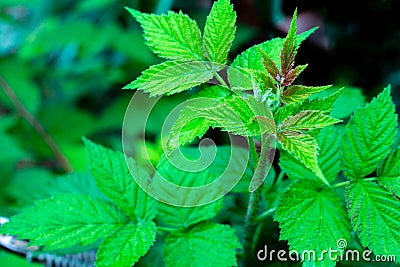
[(24, 113), (249, 226), (253, 206), (260, 221)]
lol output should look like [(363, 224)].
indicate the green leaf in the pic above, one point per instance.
[(294, 73), (184, 217), (389, 172), (79, 183), (252, 58), (174, 168), (328, 158), (304, 148), (113, 177), (125, 247), (297, 93), (241, 79), (173, 36), (66, 220), (187, 128), (207, 244), (172, 77), (265, 82), (349, 101), (306, 120), (324, 104), (375, 216), (246, 116), (369, 137), (289, 47), (270, 66), (312, 218), (205, 165), (219, 31)]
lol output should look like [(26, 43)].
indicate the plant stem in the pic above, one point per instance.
[(346, 183), (253, 151), (260, 221), (24, 113), (220, 79), (266, 214), (341, 184), (280, 177), (249, 225), (253, 206)]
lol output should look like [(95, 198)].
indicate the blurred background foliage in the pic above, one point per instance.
[(63, 64)]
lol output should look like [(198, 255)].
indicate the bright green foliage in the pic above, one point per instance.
[(172, 77), (238, 115), (219, 31), (270, 65), (207, 244), (242, 79), (294, 73), (66, 220), (296, 115), (186, 128), (183, 217), (328, 158), (113, 214), (324, 104), (306, 120), (126, 246), (304, 148), (312, 218), (252, 58), (292, 130), (369, 136), (264, 81), (389, 172), (80, 183), (289, 48), (172, 36), (297, 93), (349, 100), (375, 216), (113, 177)]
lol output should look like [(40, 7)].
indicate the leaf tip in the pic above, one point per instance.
[(133, 12)]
